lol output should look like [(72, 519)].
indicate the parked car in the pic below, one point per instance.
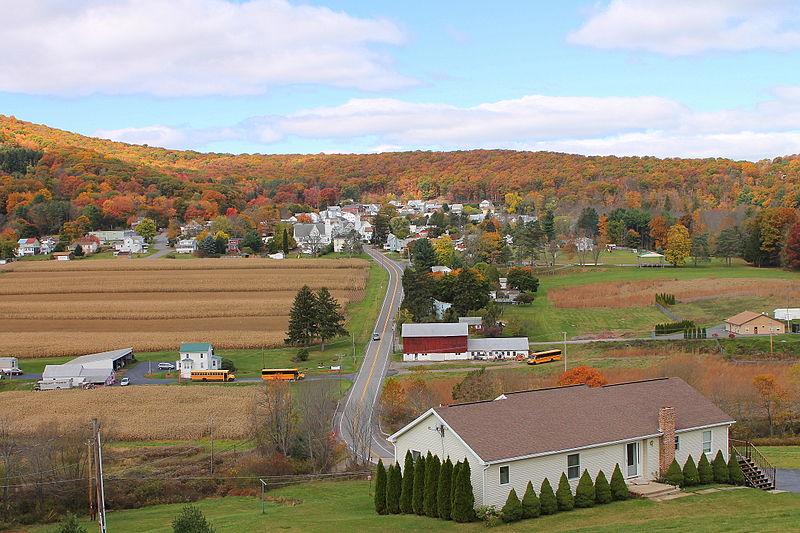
[(166, 366), (376, 336), (124, 381), (12, 371)]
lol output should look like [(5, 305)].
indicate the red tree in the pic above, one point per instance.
[(791, 250), (582, 374)]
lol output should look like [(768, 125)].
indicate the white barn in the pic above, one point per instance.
[(197, 356), (93, 369), (532, 435)]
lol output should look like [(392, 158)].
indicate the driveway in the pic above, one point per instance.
[(160, 243), (787, 479)]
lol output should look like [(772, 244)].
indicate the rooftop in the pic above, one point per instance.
[(435, 330), (500, 343), (746, 316), (112, 355), (195, 347)]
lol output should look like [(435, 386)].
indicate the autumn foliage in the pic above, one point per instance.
[(582, 375)]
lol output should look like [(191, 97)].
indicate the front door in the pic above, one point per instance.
[(632, 459), (756, 330)]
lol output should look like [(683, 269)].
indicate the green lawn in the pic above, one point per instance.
[(347, 506), (782, 456)]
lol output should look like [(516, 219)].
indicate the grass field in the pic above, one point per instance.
[(782, 456), (347, 506)]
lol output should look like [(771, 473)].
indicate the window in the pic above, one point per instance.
[(504, 475), (415, 454), (574, 466), (677, 442), (707, 441)]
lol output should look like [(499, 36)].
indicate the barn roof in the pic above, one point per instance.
[(435, 330)]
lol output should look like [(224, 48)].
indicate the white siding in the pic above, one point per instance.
[(692, 444)]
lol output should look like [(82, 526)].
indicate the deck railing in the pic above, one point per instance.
[(743, 448)]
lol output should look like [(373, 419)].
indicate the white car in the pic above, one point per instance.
[(124, 381), (166, 366)]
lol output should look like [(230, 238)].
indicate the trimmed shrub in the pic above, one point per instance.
[(512, 510), (584, 492), (690, 475), (619, 490), (453, 478), (674, 474), (407, 492), (394, 486), (443, 500), (735, 474), (380, 489), (705, 471), (547, 498), (720, 468), (531, 508), (418, 496), (564, 497), (431, 486), (464, 497), (602, 490)]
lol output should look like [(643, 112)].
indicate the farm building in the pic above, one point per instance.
[(788, 315), (475, 323), (112, 236), (498, 348), (197, 356), (532, 435), (8, 363), (94, 369), (63, 256), (445, 342), (750, 323)]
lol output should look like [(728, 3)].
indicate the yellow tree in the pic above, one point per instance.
[(445, 251), (512, 201), (679, 245), (772, 397)]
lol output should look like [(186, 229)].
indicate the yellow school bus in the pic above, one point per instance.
[(536, 358), (212, 375), (287, 374)]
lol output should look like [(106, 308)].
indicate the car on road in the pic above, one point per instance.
[(166, 366), (124, 381), (376, 336), (12, 371)]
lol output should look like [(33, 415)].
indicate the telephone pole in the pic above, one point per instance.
[(89, 474), (98, 465), (212, 445)]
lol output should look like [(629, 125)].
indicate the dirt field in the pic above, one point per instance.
[(94, 306)]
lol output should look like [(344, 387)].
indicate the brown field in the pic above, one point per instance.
[(154, 305), (623, 294), (155, 412)]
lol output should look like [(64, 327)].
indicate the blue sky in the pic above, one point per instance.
[(688, 78)]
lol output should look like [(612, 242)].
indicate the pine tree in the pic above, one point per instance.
[(547, 498), (394, 485), (191, 520), (512, 510), (585, 491), (418, 495), (564, 497), (70, 524), (423, 255), (690, 474), (720, 468), (602, 490), (330, 319), (431, 486), (735, 474), (407, 493), (285, 241), (453, 484), (443, 498), (619, 491), (705, 471), (380, 229), (303, 325), (674, 474), (208, 246), (380, 489), (463, 497), (531, 508)]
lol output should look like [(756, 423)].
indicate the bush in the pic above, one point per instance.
[(619, 490), (228, 364), (70, 525), (444, 501), (690, 474), (171, 255), (407, 492), (547, 498), (602, 490), (484, 513), (720, 468), (394, 485), (674, 474), (431, 486), (191, 520), (302, 355), (584, 492), (564, 497), (418, 496), (704, 470), (463, 496), (380, 489), (735, 474), (531, 508), (524, 298), (512, 510)]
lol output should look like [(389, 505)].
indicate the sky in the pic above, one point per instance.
[(678, 78)]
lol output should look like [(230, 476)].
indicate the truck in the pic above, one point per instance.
[(53, 384)]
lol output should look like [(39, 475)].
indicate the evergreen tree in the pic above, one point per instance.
[(423, 255), (729, 244), (453, 483), (547, 498), (470, 293), (464, 497), (431, 486), (285, 241), (208, 246), (394, 486), (564, 497), (407, 493), (418, 495), (303, 326), (443, 500), (330, 319), (735, 474), (380, 230), (690, 474), (418, 292), (253, 241), (619, 491), (720, 468), (512, 510), (531, 508), (585, 491), (674, 474), (588, 221), (78, 251), (602, 490), (549, 225), (704, 470), (380, 489), (701, 249), (191, 520), (70, 524)]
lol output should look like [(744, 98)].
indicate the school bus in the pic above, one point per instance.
[(287, 374), (212, 375), (536, 358)]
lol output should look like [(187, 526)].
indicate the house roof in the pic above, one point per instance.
[(471, 320), (498, 344), (195, 347), (304, 230), (746, 316), (543, 421), (31, 240), (435, 330)]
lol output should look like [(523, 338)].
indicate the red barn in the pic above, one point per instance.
[(434, 342)]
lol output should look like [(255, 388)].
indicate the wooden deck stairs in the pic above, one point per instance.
[(758, 471)]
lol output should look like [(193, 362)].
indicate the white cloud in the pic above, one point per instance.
[(169, 137), (688, 27), (189, 47)]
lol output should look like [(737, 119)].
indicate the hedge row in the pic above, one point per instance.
[(673, 327)]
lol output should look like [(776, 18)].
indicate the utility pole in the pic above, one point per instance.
[(564, 351), (90, 485), (212, 446), (98, 454)]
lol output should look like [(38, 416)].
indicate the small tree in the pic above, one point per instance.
[(147, 229), (302, 355), (407, 492), (464, 497), (431, 486), (735, 474), (619, 491), (690, 474), (602, 490), (674, 474), (394, 486), (444, 501), (380, 489), (704, 470), (564, 497), (70, 525), (228, 364), (720, 468), (78, 252), (547, 498), (418, 496), (453, 483), (512, 510), (191, 520), (531, 508), (585, 491)]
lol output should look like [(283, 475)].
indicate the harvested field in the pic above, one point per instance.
[(100, 305), (641, 293)]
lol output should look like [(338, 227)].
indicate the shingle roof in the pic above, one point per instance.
[(435, 330), (500, 343), (195, 347), (745, 317), (549, 420)]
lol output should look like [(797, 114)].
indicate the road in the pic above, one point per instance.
[(160, 243), (356, 419)]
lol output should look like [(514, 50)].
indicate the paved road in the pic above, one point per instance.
[(160, 244), (787, 479), (356, 420)]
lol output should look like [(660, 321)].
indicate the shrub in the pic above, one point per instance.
[(431, 486), (619, 491), (443, 500), (547, 498), (394, 485), (380, 489), (531, 508), (690, 474), (564, 497), (486, 512), (585, 492), (191, 520), (70, 525), (602, 490), (407, 492), (735, 474), (512, 510), (302, 355), (674, 474), (463, 497), (704, 470), (720, 468), (418, 495), (228, 364), (453, 478)]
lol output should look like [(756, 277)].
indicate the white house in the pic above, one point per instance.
[(112, 236), (30, 246), (532, 435), (132, 244), (186, 246), (311, 238), (498, 348), (197, 356)]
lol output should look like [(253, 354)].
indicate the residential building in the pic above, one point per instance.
[(63, 256), (186, 246), (486, 206), (475, 323), (48, 245), (234, 245), (311, 238), (750, 323), (133, 244), (30, 246), (88, 244), (7, 363), (441, 269), (439, 308), (197, 356), (790, 316), (112, 237), (527, 436)]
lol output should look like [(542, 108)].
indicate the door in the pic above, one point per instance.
[(756, 330), (632, 459)]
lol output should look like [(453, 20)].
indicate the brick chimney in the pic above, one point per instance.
[(666, 446)]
